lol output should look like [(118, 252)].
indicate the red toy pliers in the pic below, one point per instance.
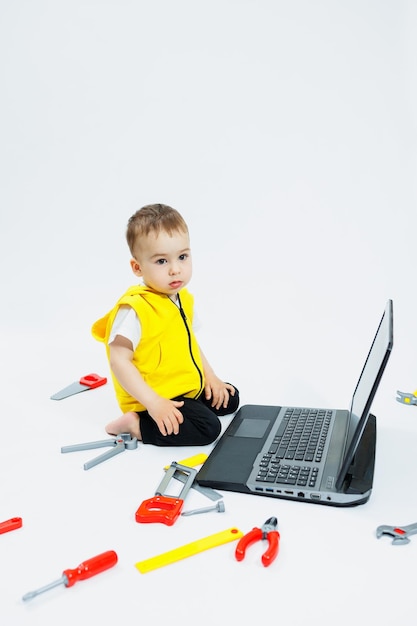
[(269, 532)]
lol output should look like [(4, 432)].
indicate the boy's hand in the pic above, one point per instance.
[(166, 415), (218, 391)]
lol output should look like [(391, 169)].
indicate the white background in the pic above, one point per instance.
[(285, 133)]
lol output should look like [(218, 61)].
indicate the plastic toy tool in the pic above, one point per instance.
[(407, 398), (162, 507), (269, 532), (400, 534), (212, 541), (10, 524), (87, 382), (118, 444), (87, 569)]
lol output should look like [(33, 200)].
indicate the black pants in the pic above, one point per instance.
[(200, 427)]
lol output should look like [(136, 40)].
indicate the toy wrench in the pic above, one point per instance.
[(407, 398), (87, 382), (400, 534), (162, 507)]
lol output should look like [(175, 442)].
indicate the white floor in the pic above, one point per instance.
[(285, 132)]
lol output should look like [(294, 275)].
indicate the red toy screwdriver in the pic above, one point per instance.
[(85, 570)]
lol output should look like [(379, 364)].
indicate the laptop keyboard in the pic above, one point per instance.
[(301, 437)]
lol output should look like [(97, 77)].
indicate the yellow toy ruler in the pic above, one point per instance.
[(212, 541), (192, 461)]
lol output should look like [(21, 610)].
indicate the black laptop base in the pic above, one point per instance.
[(230, 464)]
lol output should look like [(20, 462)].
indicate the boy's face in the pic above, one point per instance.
[(164, 261)]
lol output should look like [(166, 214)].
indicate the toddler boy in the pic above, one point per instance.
[(167, 390)]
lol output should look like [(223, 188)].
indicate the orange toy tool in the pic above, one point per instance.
[(10, 524), (89, 381), (162, 507), (87, 569), (269, 532)]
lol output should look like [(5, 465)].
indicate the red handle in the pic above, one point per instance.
[(254, 535), (159, 509), (93, 380), (10, 524), (90, 568), (270, 555)]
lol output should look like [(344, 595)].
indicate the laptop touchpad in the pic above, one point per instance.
[(255, 428)]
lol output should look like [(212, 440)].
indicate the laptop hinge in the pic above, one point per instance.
[(360, 475)]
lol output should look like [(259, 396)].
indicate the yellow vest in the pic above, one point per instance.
[(167, 356)]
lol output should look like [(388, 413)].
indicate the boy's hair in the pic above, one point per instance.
[(153, 218)]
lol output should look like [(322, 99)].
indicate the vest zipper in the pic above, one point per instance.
[(184, 317)]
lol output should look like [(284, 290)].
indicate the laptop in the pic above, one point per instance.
[(317, 455)]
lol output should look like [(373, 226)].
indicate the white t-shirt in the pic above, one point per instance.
[(127, 324)]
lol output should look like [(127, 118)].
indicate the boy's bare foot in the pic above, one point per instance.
[(127, 423)]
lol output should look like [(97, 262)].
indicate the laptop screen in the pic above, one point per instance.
[(366, 387)]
